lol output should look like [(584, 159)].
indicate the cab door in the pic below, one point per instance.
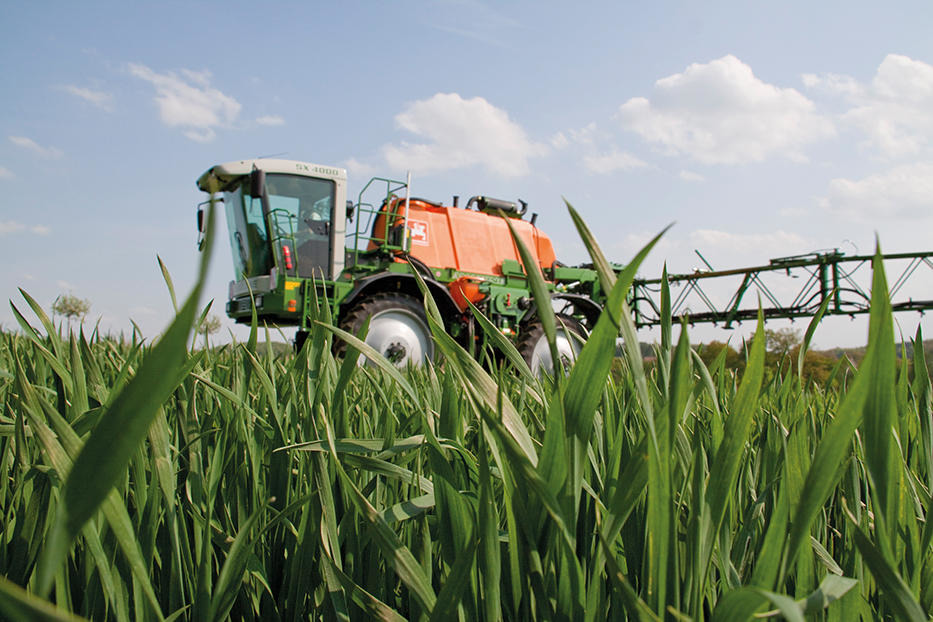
[(306, 204), (313, 237)]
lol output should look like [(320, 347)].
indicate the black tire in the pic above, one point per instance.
[(300, 337), (533, 346), (398, 327)]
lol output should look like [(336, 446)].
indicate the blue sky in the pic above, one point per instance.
[(760, 129)]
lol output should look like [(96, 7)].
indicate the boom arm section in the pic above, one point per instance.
[(845, 280)]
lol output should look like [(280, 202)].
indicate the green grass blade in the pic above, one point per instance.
[(738, 426), (595, 359), (455, 522), (768, 563), (489, 556), (923, 395), (708, 384), (742, 604), (831, 589), (811, 329), (880, 415), (666, 322), (507, 348), (374, 608), (871, 383), (540, 293), (168, 283), (825, 469), (408, 509), (119, 431), (231, 573), (18, 605), (369, 352), (637, 608), (60, 446), (78, 397), (604, 271), (28, 329), (479, 386), (50, 329), (458, 580), (396, 554), (895, 591), (54, 362)]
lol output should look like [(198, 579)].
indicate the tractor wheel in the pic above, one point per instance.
[(300, 338), (398, 328), (533, 346)]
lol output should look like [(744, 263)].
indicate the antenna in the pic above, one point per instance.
[(272, 155)]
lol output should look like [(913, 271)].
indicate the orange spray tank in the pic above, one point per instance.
[(472, 242)]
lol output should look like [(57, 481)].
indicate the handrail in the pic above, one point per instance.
[(362, 234)]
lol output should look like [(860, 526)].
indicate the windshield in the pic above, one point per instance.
[(294, 233), (252, 255), (301, 212)]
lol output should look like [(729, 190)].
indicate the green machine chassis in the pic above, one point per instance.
[(290, 300), (282, 297)]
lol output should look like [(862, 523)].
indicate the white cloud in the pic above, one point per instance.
[(761, 244), (271, 120), (65, 285), (359, 169), (559, 140), (460, 133), (833, 83), (629, 245), (189, 101), (896, 109), (5, 173), (720, 113), (584, 136), (102, 100), (612, 162), (31, 145), (904, 192), (10, 227), (690, 176)]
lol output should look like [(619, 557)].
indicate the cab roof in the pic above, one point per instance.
[(219, 177)]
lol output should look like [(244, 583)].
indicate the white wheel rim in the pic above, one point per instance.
[(400, 336), (568, 347)]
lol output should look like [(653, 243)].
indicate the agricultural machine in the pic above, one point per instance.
[(295, 239)]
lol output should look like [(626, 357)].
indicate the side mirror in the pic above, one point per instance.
[(351, 209), (257, 183), (201, 220)]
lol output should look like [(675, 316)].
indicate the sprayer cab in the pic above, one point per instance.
[(285, 218)]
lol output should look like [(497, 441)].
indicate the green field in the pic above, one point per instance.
[(150, 482)]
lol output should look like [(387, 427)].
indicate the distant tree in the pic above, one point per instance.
[(211, 325), (71, 307), (709, 352), (781, 340), (817, 366)]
